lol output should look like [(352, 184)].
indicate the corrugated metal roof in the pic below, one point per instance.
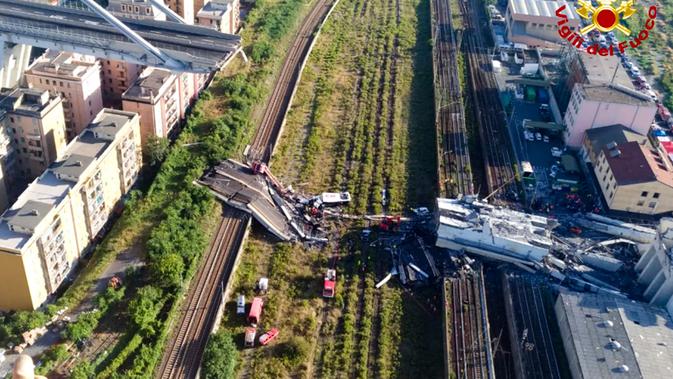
[(542, 8)]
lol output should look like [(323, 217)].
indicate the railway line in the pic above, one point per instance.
[(455, 174), (200, 307), (279, 102), (468, 353), (185, 346), (500, 176)]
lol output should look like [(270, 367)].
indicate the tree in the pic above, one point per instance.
[(156, 150), (84, 370), (220, 357), (167, 270), (294, 351), (145, 308)]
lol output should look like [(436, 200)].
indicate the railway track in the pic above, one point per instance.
[(185, 347), (279, 102), (468, 338), (200, 307), (486, 101), (454, 159)]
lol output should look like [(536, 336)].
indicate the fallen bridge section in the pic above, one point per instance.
[(236, 185)]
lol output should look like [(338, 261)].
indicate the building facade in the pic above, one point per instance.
[(135, 9), (632, 175), (116, 78), (222, 16), (54, 221), (185, 8), (36, 125), (155, 96), (598, 105), (76, 78)]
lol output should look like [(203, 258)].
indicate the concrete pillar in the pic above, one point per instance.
[(664, 293), (650, 271), (654, 286), (646, 258), (14, 60)]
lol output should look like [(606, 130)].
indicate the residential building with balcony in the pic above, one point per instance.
[(155, 96), (36, 125), (76, 78), (54, 221)]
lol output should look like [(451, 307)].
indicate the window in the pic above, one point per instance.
[(61, 84), (123, 8), (652, 204), (137, 9), (612, 193), (643, 194), (641, 203), (147, 10), (40, 80), (656, 195), (13, 130), (12, 120)]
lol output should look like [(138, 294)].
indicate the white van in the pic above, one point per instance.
[(240, 305)]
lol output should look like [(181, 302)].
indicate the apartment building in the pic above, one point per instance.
[(633, 175), (36, 124), (8, 160), (76, 78), (220, 15), (598, 105), (13, 62), (54, 221), (155, 96), (116, 78), (185, 8), (135, 9), (534, 22)]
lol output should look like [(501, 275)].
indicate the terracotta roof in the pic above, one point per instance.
[(634, 163)]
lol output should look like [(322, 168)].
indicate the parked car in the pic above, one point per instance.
[(556, 152), (268, 336), (545, 139), (240, 305), (250, 334), (538, 136)]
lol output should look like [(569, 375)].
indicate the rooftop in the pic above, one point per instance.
[(150, 85), (619, 134), (633, 162), (614, 94), (27, 101), (599, 69), (63, 64), (540, 8), (214, 9), (642, 333), (48, 190)]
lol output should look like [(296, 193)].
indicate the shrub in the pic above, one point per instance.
[(145, 308), (220, 357), (294, 352)]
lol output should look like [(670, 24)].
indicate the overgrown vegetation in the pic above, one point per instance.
[(220, 357)]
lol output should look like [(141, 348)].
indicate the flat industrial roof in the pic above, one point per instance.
[(600, 69), (612, 94), (643, 331), (540, 8)]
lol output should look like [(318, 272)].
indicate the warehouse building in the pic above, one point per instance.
[(534, 22), (612, 337), (54, 220)]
